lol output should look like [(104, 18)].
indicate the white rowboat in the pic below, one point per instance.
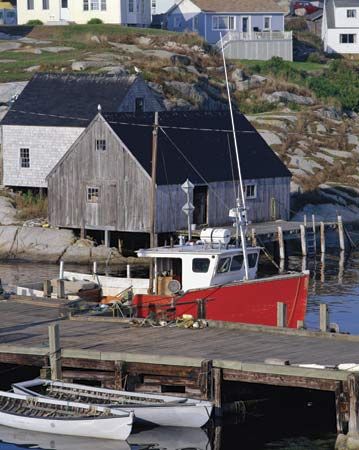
[(156, 409), (61, 417)]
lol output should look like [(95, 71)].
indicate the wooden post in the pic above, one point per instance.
[(322, 237), (324, 317), (281, 314), (281, 243), (120, 375), (128, 271), (339, 394), (120, 245), (94, 267), (47, 288), (254, 237), (205, 381), (107, 238), (61, 270), (153, 203), (341, 233), (82, 233), (303, 240), (353, 389), (217, 440), (217, 391), (60, 289), (55, 351)]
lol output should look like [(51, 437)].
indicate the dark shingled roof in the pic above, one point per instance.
[(210, 151), (67, 99)]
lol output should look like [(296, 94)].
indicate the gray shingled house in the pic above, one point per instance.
[(103, 182), (52, 112)]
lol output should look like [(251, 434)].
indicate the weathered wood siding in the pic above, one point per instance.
[(124, 185), (221, 198)]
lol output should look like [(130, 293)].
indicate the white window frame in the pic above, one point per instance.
[(251, 195), (347, 34), (45, 4), (93, 194), (248, 23), (30, 5), (351, 11), (24, 158), (216, 27), (264, 23), (95, 5)]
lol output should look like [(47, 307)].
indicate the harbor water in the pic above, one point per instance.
[(334, 280)]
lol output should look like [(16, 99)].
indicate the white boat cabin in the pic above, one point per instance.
[(209, 262)]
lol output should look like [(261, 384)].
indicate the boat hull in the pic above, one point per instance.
[(106, 428), (253, 301)]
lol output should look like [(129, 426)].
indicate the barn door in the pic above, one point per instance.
[(200, 200)]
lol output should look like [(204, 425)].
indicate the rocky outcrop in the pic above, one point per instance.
[(288, 97)]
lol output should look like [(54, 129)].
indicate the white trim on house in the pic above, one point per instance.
[(228, 27), (264, 23)]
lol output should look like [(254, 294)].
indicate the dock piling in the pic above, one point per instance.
[(55, 351), (217, 391), (303, 240), (94, 268), (281, 243), (47, 288), (60, 289), (341, 233), (281, 314), (254, 237), (322, 238), (61, 271), (128, 271), (324, 317)]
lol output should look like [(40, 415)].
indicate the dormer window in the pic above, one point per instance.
[(351, 13), (139, 104)]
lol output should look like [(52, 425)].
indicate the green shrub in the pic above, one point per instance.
[(95, 21), (34, 22), (30, 206), (316, 57)]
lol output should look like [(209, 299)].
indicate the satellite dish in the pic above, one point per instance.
[(174, 286)]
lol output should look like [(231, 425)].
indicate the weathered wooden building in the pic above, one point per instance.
[(52, 112), (103, 182)]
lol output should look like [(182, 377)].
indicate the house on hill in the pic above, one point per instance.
[(103, 182), (58, 12), (252, 29), (52, 112), (340, 26)]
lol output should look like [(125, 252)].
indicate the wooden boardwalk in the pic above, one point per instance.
[(192, 362)]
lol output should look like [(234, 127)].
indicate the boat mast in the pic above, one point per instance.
[(241, 210)]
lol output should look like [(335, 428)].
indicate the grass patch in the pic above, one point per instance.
[(305, 66), (30, 206)]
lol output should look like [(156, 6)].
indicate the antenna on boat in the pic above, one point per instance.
[(240, 211)]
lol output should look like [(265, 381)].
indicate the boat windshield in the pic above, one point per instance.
[(223, 265)]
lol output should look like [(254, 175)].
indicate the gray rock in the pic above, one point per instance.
[(77, 254), (181, 60), (103, 254), (192, 69), (27, 40), (288, 97), (321, 128), (115, 70), (95, 39), (78, 66), (3, 111), (10, 90), (173, 69), (238, 75), (143, 40), (270, 137), (7, 212), (330, 112), (57, 49), (32, 69), (7, 239), (158, 88), (6, 46), (256, 80), (178, 104)]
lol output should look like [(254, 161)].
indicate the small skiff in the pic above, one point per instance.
[(47, 415), (149, 408)]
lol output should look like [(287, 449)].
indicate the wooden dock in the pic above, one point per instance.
[(193, 362)]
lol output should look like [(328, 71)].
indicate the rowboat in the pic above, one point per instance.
[(48, 415), (149, 408)]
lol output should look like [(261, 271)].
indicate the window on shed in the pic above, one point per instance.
[(24, 157), (348, 38), (30, 4), (131, 6), (93, 194), (86, 5), (200, 265), (64, 4), (351, 13), (153, 5), (100, 144), (251, 191), (45, 4), (237, 262), (177, 21), (103, 5), (139, 104), (223, 265)]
